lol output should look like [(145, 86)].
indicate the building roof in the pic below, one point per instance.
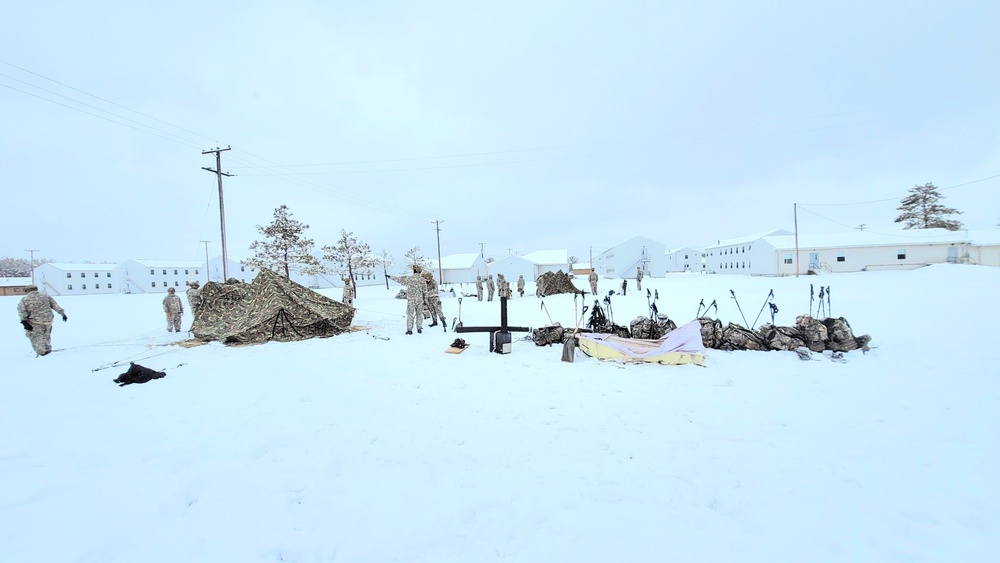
[(901, 237), (455, 261), (748, 238), (984, 236), (680, 248), (71, 266), (15, 282), (168, 263), (547, 257)]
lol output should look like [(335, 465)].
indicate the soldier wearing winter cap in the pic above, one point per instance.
[(174, 309), (35, 310)]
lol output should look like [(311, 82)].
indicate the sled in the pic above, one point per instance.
[(454, 350)]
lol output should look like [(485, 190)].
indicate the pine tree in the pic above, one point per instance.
[(284, 248), (414, 258), (921, 210), (349, 256)]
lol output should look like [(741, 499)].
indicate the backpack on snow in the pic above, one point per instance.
[(138, 374)]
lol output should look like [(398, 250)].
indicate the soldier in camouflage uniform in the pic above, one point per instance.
[(479, 288), (638, 279), (502, 287), (347, 298), (540, 286), (593, 282), (520, 286), (194, 297), (174, 309), (433, 300), (35, 310), (416, 289), (490, 288)]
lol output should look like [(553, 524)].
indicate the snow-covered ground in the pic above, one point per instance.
[(357, 448)]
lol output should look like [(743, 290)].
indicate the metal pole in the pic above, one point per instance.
[(222, 207), (32, 264), (437, 227), (208, 275), (796, 215), (222, 218)]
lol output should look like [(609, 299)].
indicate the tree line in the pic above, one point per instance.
[(285, 248)]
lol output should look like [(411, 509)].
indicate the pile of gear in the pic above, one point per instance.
[(552, 283), (815, 334)]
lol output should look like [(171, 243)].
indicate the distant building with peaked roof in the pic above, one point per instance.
[(62, 278), (620, 261), (460, 268)]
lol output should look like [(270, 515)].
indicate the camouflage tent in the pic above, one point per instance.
[(269, 308), (551, 283)]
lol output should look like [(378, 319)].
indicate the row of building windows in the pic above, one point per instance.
[(176, 272), (730, 265), (841, 257), (734, 250), (84, 286), (83, 274), (165, 284)]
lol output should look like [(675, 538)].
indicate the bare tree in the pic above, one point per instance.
[(384, 262), (284, 248), (349, 257), (921, 210), (11, 267)]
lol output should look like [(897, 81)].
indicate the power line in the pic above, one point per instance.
[(897, 198), (105, 100)]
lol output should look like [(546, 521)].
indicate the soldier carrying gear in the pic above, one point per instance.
[(638, 278), (479, 288), (35, 310), (174, 309), (490, 288), (520, 286), (593, 281)]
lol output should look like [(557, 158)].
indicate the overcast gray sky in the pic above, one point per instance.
[(521, 125)]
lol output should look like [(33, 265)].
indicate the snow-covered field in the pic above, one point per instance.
[(355, 448)]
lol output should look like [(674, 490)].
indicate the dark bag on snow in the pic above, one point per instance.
[(138, 374)]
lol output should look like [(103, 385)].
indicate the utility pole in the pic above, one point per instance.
[(32, 264), (222, 207), (795, 213), (482, 245), (437, 227), (591, 257), (208, 271), (861, 227)]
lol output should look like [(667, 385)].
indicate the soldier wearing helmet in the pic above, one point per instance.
[(35, 310)]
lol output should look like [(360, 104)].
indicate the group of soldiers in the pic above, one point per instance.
[(421, 292), (501, 283), (174, 308), (35, 312)]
